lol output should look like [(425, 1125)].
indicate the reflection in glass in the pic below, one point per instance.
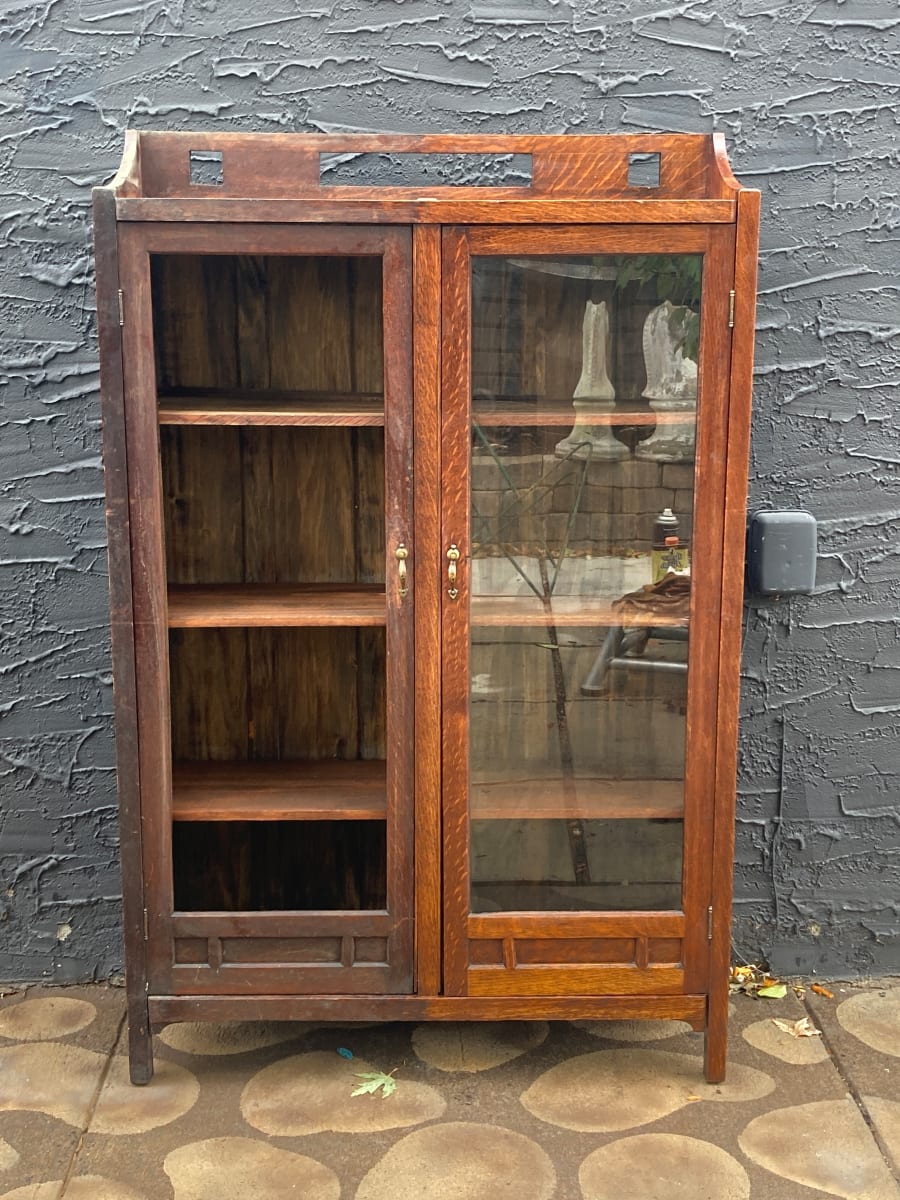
[(584, 382)]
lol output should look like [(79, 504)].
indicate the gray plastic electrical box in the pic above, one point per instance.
[(781, 553)]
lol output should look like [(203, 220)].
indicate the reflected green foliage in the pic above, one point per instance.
[(675, 277)]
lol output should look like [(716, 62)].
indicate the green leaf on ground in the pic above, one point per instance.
[(374, 1081)]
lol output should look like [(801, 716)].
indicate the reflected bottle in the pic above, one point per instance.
[(668, 553)]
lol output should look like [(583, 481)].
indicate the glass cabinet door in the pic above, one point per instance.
[(577, 573), (277, 485)]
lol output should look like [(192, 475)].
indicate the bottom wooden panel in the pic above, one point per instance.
[(166, 1009), (574, 980), (286, 953), (539, 954), (247, 978)]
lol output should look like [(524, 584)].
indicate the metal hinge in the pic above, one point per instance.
[(730, 308), (122, 307), (146, 926), (709, 923)]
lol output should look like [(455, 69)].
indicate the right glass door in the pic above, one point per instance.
[(577, 572)]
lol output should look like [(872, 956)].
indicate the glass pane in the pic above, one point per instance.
[(584, 380)]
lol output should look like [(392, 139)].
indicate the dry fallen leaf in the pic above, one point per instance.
[(740, 974), (821, 991), (798, 1029), (754, 981)]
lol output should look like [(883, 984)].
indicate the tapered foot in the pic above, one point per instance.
[(716, 1043), (140, 1044)]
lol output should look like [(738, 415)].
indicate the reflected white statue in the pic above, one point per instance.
[(671, 386), (594, 394)]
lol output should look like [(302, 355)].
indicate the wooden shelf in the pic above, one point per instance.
[(595, 799), (334, 790), (564, 414), (252, 604), (213, 407), (323, 790), (566, 610)]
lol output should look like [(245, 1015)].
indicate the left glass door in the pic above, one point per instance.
[(276, 605)]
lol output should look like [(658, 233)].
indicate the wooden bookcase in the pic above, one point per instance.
[(405, 730)]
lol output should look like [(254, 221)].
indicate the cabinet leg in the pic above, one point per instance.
[(716, 1041), (140, 1042)]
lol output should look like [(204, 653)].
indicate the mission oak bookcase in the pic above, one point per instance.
[(426, 706)]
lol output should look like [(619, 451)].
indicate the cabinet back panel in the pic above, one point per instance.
[(277, 694), (195, 320), (254, 866), (309, 323), (325, 324), (522, 343), (273, 505)]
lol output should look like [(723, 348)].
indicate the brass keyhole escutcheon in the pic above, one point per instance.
[(402, 554), (453, 557)]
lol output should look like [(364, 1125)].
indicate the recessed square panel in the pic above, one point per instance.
[(643, 170), (206, 168)]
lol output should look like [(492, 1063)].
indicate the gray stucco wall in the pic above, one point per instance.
[(806, 92)]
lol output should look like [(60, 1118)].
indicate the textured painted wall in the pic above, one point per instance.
[(806, 92)]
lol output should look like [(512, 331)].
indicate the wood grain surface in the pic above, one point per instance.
[(274, 604), (314, 790), (266, 459), (597, 799), (233, 407)]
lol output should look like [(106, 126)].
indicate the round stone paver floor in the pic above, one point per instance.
[(535, 1110)]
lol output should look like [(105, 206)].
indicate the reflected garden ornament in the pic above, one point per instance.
[(594, 393), (671, 385)]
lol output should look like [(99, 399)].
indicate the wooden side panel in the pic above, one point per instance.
[(115, 470), (706, 598), (738, 439), (149, 612)]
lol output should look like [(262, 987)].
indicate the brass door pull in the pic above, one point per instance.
[(402, 554), (453, 557)]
